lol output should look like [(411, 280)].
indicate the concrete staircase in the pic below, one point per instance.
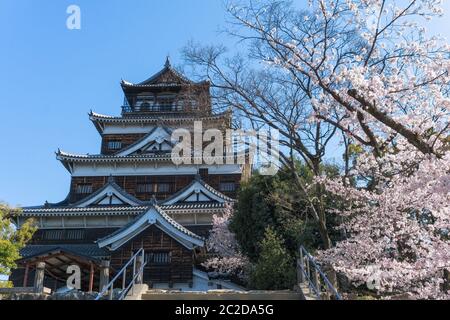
[(136, 294)]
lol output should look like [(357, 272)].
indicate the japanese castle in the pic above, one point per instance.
[(132, 196)]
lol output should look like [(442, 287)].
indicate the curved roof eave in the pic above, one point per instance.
[(154, 78), (153, 216), (174, 199)]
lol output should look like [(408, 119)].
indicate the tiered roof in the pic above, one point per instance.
[(67, 159), (111, 199), (73, 211), (89, 251), (167, 77), (149, 118)]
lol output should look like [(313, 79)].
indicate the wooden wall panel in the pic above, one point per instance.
[(129, 184), (125, 139), (65, 236), (154, 240)]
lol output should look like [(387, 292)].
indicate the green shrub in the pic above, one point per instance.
[(274, 269), (6, 284)]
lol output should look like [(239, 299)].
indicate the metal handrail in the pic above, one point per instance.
[(132, 283), (310, 282), (122, 273), (306, 273)]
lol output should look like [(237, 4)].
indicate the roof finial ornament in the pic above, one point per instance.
[(167, 64), (110, 178), (153, 201)]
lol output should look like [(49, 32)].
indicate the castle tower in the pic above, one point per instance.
[(131, 195)]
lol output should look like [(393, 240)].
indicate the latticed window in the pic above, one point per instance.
[(160, 258), (227, 186), (188, 102), (193, 104), (163, 187), (75, 234), (166, 102), (84, 188), (53, 234), (72, 234), (114, 145), (144, 188), (144, 103)]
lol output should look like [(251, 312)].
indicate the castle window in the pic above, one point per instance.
[(75, 234), (166, 102), (53, 234), (144, 103), (163, 188), (227, 186), (144, 188), (194, 105), (179, 106), (188, 102), (159, 258), (114, 145), (84, 188), (203, 172), (72, 234)]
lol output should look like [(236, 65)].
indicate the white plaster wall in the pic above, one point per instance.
[(128, 169)]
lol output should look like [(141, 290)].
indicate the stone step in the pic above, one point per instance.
[(136, 294), (307, 292), (222, 295)]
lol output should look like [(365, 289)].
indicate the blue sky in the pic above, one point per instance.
[(51, 76)]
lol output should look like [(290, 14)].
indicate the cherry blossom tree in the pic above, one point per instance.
[(398, 233), (370, 69), (387, 83), (227, 258)]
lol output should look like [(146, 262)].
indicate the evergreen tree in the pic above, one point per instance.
[(274, 201), (274, 269)]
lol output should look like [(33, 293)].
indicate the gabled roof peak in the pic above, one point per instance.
[(158, 135), (166, 76), (154, 215), (109, 194), (196, 192), (167, 64)]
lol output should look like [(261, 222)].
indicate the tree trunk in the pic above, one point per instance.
[(320, 208), (322, 224)]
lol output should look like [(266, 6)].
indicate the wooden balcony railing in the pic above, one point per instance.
[(153, 108)]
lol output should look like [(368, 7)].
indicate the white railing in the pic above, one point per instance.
[(138, 271)]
